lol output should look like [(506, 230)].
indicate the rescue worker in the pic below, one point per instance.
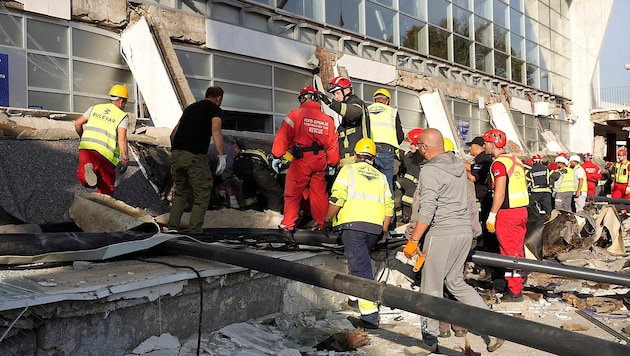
[(355, 118), (103, 148), (620, 187), (564, 185), (508, 215), (443, 218), (361, 208), (190, 140), (386, 132), (310, 136), (581, 189), (408, 174), (225, 184), (593, 176), (479, 173), (539, 187), (251, 166)]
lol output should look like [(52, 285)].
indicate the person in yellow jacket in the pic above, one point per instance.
[(564, 184), (103, 147), (361, 208)]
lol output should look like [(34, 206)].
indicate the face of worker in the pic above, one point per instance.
[(338, 95), (475, 149)]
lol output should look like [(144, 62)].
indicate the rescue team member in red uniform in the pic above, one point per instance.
[(355, 118), (508, 215), (311, 137), (103, 146), (620, 175), (593, 174), (361, 207)]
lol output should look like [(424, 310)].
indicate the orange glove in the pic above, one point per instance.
[(491, 222), (410, 248)]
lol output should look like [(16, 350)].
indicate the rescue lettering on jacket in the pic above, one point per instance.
[(315, 126)]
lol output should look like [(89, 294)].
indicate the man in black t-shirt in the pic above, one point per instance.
[(190, 140)]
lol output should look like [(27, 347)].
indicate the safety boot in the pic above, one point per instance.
[(90, 176)]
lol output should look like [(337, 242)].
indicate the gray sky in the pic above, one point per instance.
[(616, 49)]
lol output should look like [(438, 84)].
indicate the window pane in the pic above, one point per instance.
[(438, 13), (241, 97), (12, 30), (483, 58), (438, 42), (466, 4), (500, 13), (198, 87), (500, 64), (484, 8), (516, 24), (461, 109), (49, 101), (291, 80), (48, 72), (517, 70), (461, 50), (408, 101), (241, 71), (413, 8), (343, 14), (411, 34), (96, 46), (500, 38), (483, 31), (43, 36), (411, 119), (532, 76), (516, 46), (94, 78), (531, 29), (193, 63), (531, 52), (379, 22), (462, 21), (285, 102), (304, 8)]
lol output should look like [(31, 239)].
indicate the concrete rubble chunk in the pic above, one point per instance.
[(165, 341)]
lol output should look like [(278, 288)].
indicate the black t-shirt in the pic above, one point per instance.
[(195, 127), (480, 170)]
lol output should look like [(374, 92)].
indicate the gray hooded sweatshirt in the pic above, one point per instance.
[(444, 194)]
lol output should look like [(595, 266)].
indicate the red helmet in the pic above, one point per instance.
[(536, 158), (622, 152), (495, 136), (563, 154), (309, 93), (587, 155), (339, 83), (414, 135)]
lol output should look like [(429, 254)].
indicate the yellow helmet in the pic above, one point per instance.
[(382, 91), (119, 90), (448, 145), (365, 146)]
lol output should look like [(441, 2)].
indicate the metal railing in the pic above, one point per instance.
[(609, 98)]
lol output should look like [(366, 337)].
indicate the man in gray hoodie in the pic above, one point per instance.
[(444, 221)]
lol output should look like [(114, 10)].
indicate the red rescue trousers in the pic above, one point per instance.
[(511, 227), (619, 191), (306, 172), (104, 169)]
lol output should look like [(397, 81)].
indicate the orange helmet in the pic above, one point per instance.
[(309, 93), (537, 158), (339, 83), (414, 135), (495, 136)]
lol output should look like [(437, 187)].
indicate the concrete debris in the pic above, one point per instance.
[(574, 327), (165, 341), (113, 215)]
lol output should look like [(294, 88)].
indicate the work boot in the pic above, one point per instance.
[(494, 344), (90, 176), (512, 298), (287, 235), (360, 323), (445, 334), (460, 333)]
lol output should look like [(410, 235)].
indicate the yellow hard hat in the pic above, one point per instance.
[(365, 146), (382, 91), (119, 90), (448, 145)]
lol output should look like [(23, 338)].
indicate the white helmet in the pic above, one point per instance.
[(575, 158)]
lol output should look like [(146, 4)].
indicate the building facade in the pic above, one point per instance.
[(537, 56)]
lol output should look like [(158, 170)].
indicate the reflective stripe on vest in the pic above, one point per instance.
[(621, 172), (383, 124), (584, 184), (101, 131), (568, 183), (411, 178), (539, 178), (256, 154), (365, 197), (517, 195)]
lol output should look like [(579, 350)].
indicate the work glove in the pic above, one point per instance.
[(491, 222), (122, 166), (327, 227), (384, 237), (331, 170), (221, 164), (411, 248), (275, 165), (324, 98)]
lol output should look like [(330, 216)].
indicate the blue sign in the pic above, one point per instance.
[(4, 79), (463, 126)]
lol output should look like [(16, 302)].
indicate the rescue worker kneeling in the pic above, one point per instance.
[(361, 208)]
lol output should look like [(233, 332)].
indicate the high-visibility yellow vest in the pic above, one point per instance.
[(516, 192), (584, 183), (568, 183), (100, 133), (363, 194), (621, 172), (383, 124)]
